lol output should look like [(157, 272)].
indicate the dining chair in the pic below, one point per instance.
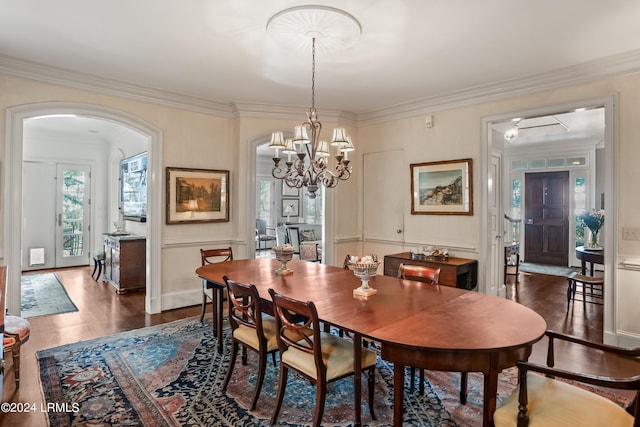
[(16, 332), (251, 328), (293, 237), (422, 274), (555, 398), (262, 237), (309, 252), (212, 256), (592, 289), (321, 357), (347, 262)]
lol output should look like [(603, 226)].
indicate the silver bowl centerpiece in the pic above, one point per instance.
[(365, 268), (284, 254)]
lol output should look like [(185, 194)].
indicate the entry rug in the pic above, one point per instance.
[(171, 374), (43, 294)]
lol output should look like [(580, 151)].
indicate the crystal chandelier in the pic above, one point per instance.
[(308, 158)]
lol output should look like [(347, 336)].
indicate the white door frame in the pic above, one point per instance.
[(327, 236), (611, 126), (15, 117)]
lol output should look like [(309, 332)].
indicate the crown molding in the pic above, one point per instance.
[(46, 74), (288, 112), (611, 66), (615, 65)]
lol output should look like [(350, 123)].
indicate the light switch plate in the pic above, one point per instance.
[(630, 233)]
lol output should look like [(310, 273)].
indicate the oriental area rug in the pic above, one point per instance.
[(171, 374), (43, 294)]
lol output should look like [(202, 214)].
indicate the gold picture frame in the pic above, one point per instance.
[(197, 196), (442, 188)]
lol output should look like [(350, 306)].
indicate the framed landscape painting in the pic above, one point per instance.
[(197, 195), (442, 188)]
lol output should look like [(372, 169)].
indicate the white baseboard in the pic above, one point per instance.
[(623, 339), (181, 299)]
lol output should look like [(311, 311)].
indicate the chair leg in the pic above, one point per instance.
[(232, 364), (16, 363), (262, 367), (321, 397), (100, 266), (214, 304), (463, 387), (95, 267), (569, 293), (413, 378), (204, 306), (244, 355), (282, 385)]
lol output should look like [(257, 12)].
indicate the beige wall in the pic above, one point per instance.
[(200, 140), (457, 134)]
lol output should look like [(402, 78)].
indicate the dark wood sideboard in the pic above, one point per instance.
[(455, 272), (125, 262)]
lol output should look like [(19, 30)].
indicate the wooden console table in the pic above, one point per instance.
[(589, 256), (456, 272)]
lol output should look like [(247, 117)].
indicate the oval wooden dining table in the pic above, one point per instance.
[(420, 325)]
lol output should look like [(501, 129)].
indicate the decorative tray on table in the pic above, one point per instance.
[(430, 253)]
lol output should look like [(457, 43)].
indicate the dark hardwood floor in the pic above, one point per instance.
[(102, 312)]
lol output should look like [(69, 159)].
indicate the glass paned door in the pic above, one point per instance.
[(266, 210), (72, 204)]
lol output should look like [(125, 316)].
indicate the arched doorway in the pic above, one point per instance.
[(13, 190)]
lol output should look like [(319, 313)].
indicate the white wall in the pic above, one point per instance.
[(98, 151)]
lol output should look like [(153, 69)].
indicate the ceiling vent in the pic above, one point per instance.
[(541, 126)]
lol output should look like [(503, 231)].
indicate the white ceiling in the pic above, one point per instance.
[(586, 126), (409, 50)]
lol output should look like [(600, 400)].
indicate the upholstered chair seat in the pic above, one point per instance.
[(547, 396), (249, 336), (556, 403), (337, 355)]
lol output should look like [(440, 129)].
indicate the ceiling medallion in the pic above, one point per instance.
[(307, 163)]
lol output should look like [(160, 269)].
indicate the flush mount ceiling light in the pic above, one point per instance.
[(331, 29)]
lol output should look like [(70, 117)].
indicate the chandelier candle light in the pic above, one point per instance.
[(307, 163)]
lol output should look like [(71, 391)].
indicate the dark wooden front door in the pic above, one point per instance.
[(546, 238)]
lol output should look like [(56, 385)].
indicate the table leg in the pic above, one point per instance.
[(357, 377), (398, 394), (583, 265), (490, 393), (217, 313)]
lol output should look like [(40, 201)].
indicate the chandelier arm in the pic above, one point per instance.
[(316, 171)]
